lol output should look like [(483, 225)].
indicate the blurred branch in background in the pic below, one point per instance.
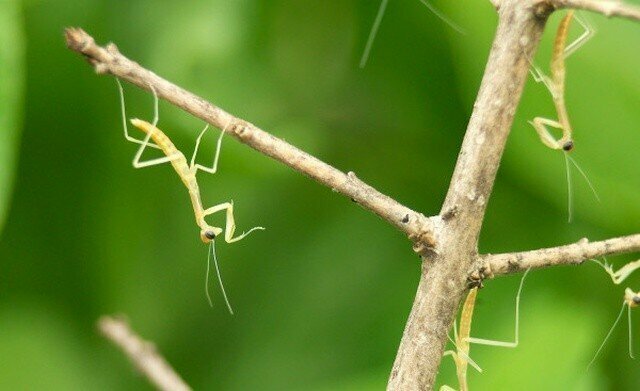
[(109, 60), (143, 354)]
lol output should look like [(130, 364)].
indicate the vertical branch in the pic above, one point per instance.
[(443, 280)]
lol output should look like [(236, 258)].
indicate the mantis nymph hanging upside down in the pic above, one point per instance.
[(187, 172), (631, 300), (556, 86)]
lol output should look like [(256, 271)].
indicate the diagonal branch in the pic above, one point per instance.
[(570, 254), (607, 8), (143, 355), (109, 60)]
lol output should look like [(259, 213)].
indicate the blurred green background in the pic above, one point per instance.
[(321, 296)]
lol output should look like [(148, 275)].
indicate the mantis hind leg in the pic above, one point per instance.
[(230, 223), (586, 35), (516, 341), (152, 162), (214, 167), (143, 145), (124, 120), (621, 274)]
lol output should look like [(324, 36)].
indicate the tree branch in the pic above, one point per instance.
[(607, 8), (570, 254), (143, 355), (443, 282), (109, 60)]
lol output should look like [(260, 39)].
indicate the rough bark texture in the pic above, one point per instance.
[(571, 254)]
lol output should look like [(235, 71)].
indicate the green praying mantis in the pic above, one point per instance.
[(556, 86), (462, 337), (187, 173), (630, 300)]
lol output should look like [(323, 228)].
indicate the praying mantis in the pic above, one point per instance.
[(187, 173), (556, 86), (631, 300), (462, 338)]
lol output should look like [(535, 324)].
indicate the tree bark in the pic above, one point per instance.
[(443, 281)]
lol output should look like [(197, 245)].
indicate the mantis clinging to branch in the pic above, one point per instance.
[(631, 300), (462, 338), (187, 172), (461, 342), (556, 86)]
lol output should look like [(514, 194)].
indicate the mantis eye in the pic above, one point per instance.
[(210, 235), (568, 146), (636, 299)]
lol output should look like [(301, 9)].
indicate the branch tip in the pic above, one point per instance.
[(77, 39)]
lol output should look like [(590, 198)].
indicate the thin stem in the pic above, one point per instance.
[(569, 254)]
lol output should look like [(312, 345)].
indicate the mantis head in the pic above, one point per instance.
[(631, 298), (208, 233), (568, 145)]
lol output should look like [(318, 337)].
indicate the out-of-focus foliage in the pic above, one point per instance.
[(11, 85), (322, 296)]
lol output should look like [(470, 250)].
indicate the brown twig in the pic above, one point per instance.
[(607, 8), (143, 355), (570, 254), (109, 60)]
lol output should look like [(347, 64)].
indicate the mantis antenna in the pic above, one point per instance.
[(378, 21), (212, 250), (631, 300), (187, 173)]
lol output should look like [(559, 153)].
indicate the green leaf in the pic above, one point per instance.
[(12, 82)]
